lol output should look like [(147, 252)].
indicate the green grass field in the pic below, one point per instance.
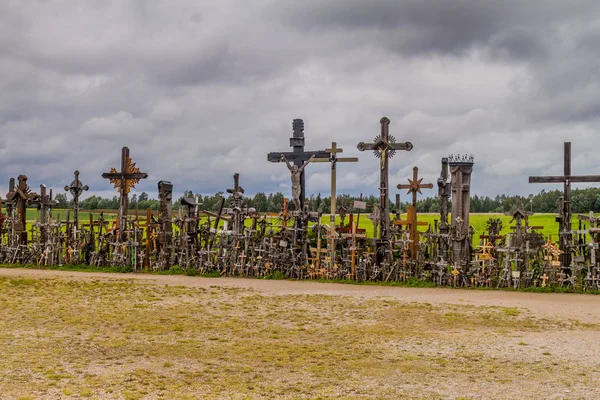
[(477, 220)]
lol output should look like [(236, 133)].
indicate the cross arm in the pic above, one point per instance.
[(292, 157), (402, 146), (345, 159), (116, 175), (362, 146), (562, 179)]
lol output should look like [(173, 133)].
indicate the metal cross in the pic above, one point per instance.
[(384, 146), (125, 180), (76, 189), (298, 156)]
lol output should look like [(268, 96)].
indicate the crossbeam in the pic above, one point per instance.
[(564, 178)]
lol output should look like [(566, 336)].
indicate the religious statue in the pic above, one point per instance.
[(296, 173)]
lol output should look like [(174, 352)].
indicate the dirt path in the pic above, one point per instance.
[(584, 308)]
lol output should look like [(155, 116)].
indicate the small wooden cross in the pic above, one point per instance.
[(455, 273), (544, 279)]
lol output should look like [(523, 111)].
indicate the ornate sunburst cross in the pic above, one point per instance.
[(384, 147), (129, 176), (125, 180)]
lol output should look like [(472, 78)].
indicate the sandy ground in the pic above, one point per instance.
[(281, 339), (584, 308)]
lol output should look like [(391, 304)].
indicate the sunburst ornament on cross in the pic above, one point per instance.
[(130, 183)]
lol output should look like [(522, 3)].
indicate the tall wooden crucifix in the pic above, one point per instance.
[(384, 147), (125, 180), (414, 186), (298, 156), (565, 241), (76, 189), (333, 159)]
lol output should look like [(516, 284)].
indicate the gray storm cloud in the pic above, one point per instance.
[(200, 90)]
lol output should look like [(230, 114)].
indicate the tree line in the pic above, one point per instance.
[(583, 201)]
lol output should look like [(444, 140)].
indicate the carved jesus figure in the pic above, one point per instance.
[(296, 173)]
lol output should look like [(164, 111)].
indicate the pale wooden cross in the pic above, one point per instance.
[(544, 279), (455, 273), (333, 159)]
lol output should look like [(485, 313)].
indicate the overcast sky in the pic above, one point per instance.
[(199, 90)]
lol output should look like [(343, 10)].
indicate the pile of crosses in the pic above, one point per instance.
[(236, 240)]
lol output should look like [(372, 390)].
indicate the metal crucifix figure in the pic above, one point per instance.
[(296, 180), (125, 180)]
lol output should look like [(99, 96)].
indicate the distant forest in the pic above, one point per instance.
[(584, 200)]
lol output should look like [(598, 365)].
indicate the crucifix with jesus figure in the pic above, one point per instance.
[(384, 147)]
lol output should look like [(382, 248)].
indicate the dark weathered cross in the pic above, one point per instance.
[(76, 189), (384, 147), (236, 204), (298, 156), (565, 242), (237, 190), (333, 159), (21, 196), (45, 203), (414, 186), (125, 180)]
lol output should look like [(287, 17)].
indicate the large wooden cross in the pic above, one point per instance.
[(384, 146), (414, 186), (124, 181), (333, 159), (298, 156), (20, 197), (565, 241), (76, 189)]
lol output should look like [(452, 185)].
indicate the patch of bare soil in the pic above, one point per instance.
[(94, 335)]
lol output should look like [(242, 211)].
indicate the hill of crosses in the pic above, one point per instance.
[(295, 243)]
